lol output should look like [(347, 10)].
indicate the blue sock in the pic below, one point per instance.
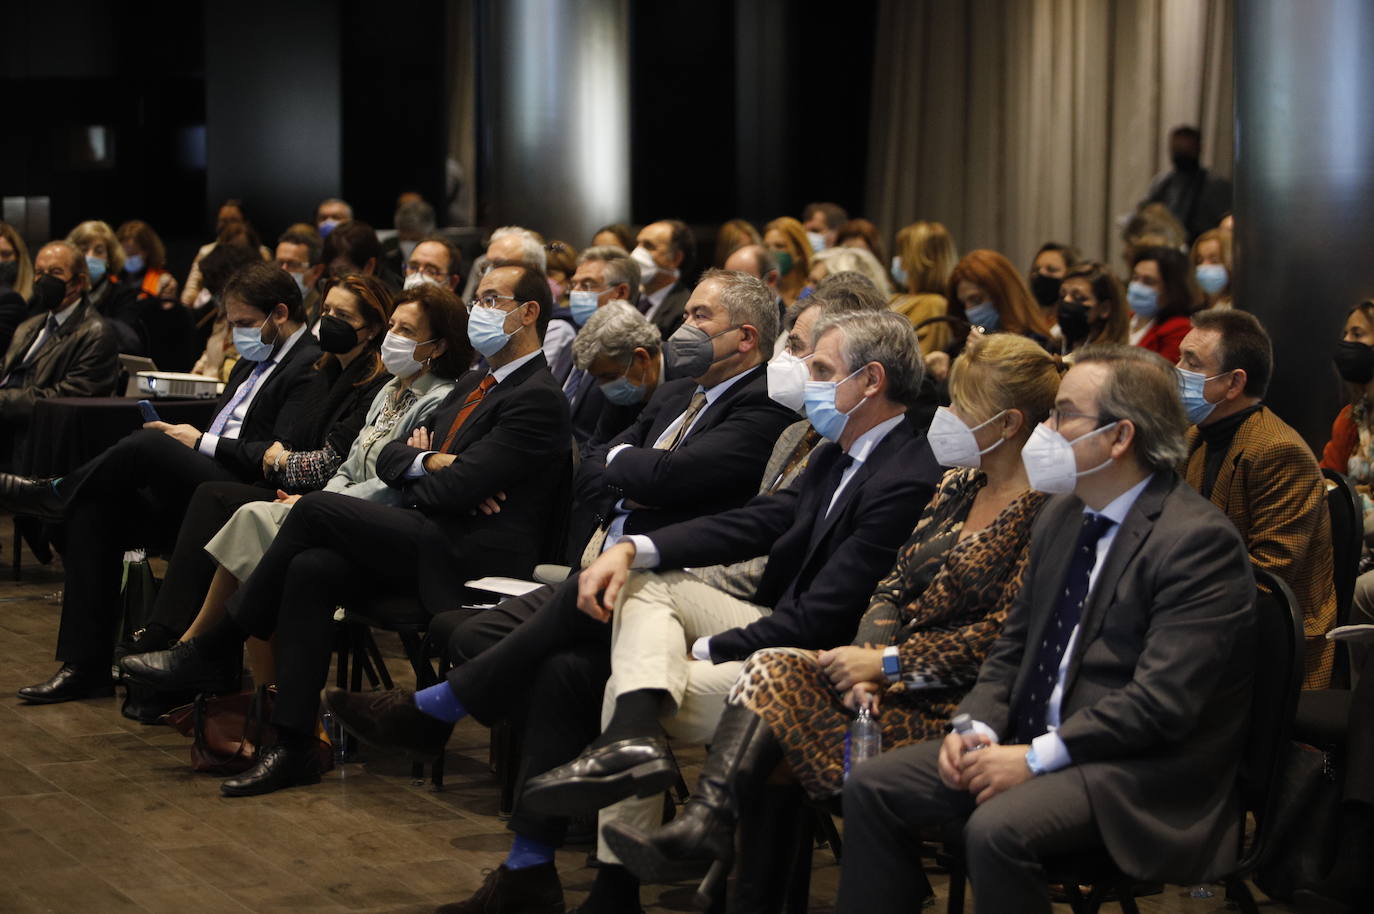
[(439, 701), (527, 852)]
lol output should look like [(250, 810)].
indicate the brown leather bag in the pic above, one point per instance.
[(229, 730)]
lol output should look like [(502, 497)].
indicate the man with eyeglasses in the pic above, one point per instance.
[(604, 274), (300, 254), (434, 260), (64, 350), (1109, 716), (503, 429)]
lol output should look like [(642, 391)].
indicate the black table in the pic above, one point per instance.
[(65, 432)]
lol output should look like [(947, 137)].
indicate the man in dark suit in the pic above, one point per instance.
[(64, 350), (618, 364), (503, 429), (666, 252), (135, 494), (1106, 715)]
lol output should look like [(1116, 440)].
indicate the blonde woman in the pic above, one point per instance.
[(925, 258), (1212, 267), (849, 260), (116, 300), (786, 240), (16, 283)]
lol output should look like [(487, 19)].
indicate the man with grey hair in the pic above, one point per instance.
[(603, 274), (64, 350), (619, 363), (677, 644), (1106, 712), (507, 244)]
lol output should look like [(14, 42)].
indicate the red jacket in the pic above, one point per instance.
[(1165, 338), (1345, 437)]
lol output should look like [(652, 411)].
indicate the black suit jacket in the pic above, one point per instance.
[(715, 468), (518, 440), (1158, 684), (670, 313), (82, 360), (822, 567), (285, 409), (586, 405)]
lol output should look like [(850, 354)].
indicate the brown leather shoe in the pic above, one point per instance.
[(532, 890), (389, 720)]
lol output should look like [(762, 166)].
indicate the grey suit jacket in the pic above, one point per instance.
[(1158, 686)]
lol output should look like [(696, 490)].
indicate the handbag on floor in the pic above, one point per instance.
[(1306, 823), (228, 731)]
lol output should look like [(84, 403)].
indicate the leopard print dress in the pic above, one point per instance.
[(943, 604)]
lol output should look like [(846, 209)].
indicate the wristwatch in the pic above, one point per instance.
[(892, 664), (1033, 763)]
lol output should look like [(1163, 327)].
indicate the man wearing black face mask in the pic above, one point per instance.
[(64, 350), (1198, 198)]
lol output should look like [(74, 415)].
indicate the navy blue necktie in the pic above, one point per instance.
[(1029, 717)]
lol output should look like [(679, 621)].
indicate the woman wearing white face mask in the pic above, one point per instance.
[(425, 348), (929, 622)]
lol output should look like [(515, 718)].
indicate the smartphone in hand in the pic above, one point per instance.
[(149, 414)]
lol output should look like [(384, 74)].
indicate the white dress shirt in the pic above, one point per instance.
[(646, 553), (417, 466), (209, 442), (1050, 751), (656, 300)]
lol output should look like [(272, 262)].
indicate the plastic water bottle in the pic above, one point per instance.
[(864, 740), (335, 734), (962, 724)]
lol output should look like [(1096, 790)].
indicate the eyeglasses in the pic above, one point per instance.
[(587, 286), (1060, 416), (489, 300), (428, 269)]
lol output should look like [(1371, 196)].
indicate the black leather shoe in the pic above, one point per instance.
[(144, 641), (71, 683), (531, 890), (594, 780), (183, 666), (277, 768), (29, 497), (389, 720), (148, 706)]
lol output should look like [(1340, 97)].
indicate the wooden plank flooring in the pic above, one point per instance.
[(101, 814)]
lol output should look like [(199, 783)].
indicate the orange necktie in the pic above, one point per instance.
[(469, 405)]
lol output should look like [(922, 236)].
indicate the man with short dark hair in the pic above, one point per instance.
[(822, 222), (330, 214), (503, 429), (434, 259), (135, 494), (64, 350), (1196, 197), (414, 222), (1257, 469), (1109, 714), (352, 247), (666, 252), (301, 254)]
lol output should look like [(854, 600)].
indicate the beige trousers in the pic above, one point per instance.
[(652, 631), (241, 543)]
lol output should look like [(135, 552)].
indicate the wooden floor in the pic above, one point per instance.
[(101, 814)]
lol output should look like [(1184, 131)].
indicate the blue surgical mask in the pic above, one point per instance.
[(133, 264), (300, 283), (984, 315), (898, 273), (1143, 300), (816, 240), (821, 411), (1212, 277), (1195, 402), (487, 330), (96, 267), (583, 305), (622, 391), (248, 341), (807, 291)]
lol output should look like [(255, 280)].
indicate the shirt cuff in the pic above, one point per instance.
[(984, 730), (610, 455), (701, 648), (646, 553), (417, 466), (1050, 751), (208, 443)]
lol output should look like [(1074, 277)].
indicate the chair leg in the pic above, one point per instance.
[(17, 563), (799, 879), (958, 879), (827, 832), (342, 640), (375, 653)]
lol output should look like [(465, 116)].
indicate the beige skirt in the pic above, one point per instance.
[(240, 544)]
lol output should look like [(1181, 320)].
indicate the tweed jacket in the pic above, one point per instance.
[(1271, 488)]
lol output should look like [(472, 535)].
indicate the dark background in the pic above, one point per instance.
[(738, 108)]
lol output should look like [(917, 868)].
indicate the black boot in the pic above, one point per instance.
[(743, 752), (769, 834)]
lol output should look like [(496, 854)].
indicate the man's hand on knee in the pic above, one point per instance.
[(991, 770), (599, 584)]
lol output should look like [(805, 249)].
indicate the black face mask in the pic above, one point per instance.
[(1045, 289), (1073, 320), (48, 292), (1184, 162), (1355, 361), (9, 274), (337, 335)]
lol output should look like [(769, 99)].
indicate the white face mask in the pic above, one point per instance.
[(649, 270), (1049, 461), (787, 377), (953, 441), (398, 355), (415, 280)]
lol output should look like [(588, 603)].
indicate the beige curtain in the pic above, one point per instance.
[(1016, 122)]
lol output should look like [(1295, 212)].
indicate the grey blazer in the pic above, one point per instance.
[(1158, 685)]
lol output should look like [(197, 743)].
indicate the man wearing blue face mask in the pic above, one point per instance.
[(604, 274), (135, 494), (1105, 716), (1257, 469), (618, 359)]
